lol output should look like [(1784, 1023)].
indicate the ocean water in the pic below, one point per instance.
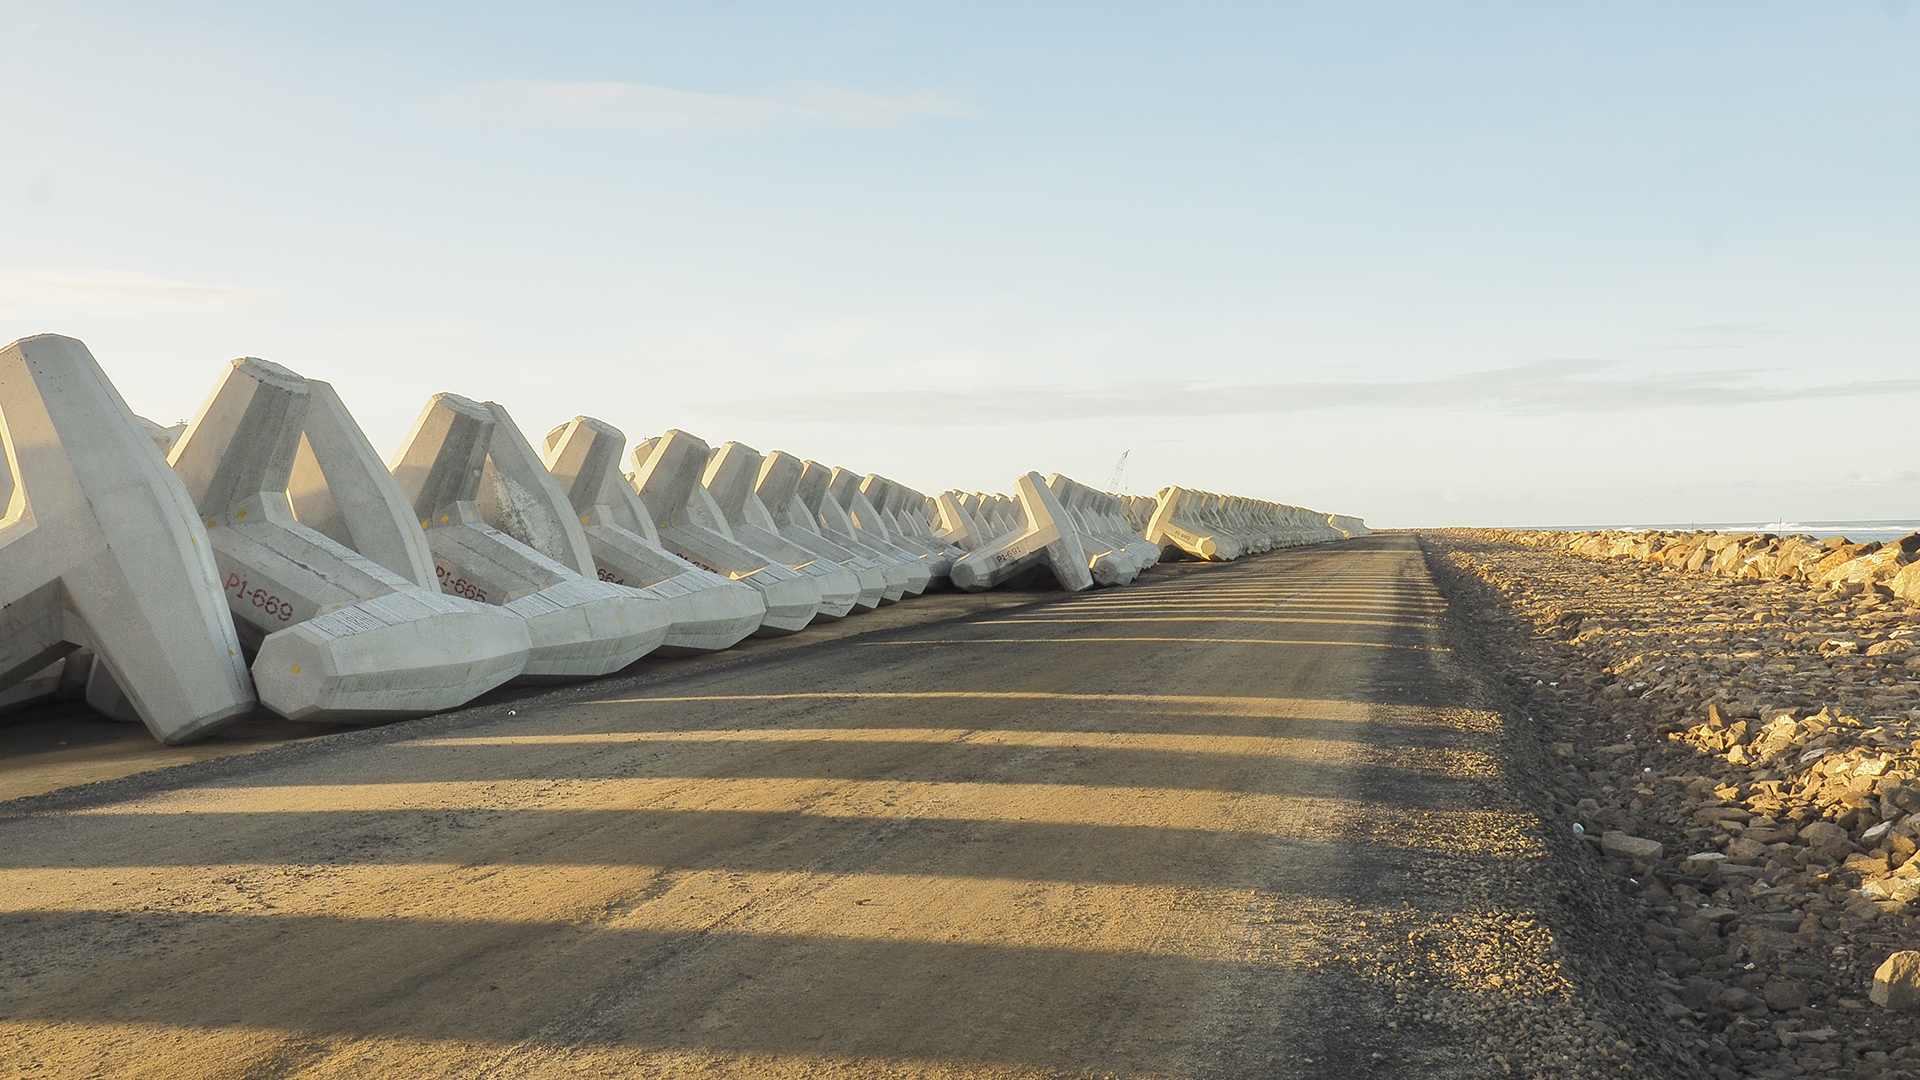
[(1857, 531)]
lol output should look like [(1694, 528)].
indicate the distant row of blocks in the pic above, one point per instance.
[(140, 566)]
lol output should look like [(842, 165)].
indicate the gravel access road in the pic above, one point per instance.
[(1251, 819)]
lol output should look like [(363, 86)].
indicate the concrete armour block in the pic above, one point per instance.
[(956, 527), (104, 550), (1109, 562), (63, 680), (814, 491), (163, 435), (337, 636), (1205, 525), (1107, 516), (976, 512), (778, 488), (342, 490), (1048, 538), (907, 515), (1138, 510), (666, 476), (844, 486), (520, 498), (581, 627), (961, 526), (732, 469), (1348, 527), (708, 612), (102, 694), (1175, 523), (868, 499), (1114, 556)]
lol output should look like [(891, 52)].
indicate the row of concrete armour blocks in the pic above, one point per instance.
[(264, 555), (1085, 537), (1202, 525)]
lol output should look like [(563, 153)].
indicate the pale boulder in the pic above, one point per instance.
[(1624, 846), (1896, 985)]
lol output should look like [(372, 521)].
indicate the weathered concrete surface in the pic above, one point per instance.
[(581, 627), (1243, 820), (341, 489), (1114, 553), (666, 476), (883, 578), (103, 548), (338, 636), (814, 491), (1204, 525), (1050, 539), (709, 612), (732, 469)]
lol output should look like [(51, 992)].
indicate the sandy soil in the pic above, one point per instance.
[(1239, 820)]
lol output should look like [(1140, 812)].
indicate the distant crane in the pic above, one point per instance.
[(1118, 478)]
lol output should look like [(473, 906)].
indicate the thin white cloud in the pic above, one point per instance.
[(1544, 388), (640, 111), (1885, 476), (432, 328), (27, 288), (1745, 329)]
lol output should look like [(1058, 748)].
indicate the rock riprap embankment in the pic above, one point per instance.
[(1872, 571), (1739, 749)]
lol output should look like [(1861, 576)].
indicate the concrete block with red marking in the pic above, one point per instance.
[(486, 500), (337, 636)]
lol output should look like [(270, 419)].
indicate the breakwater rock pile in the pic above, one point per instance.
[(1731, 722), (1872, 570)]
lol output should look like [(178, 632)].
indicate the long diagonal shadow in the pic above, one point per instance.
[(1312, 773), (1372, 842), (477, 981), (1067, 900)]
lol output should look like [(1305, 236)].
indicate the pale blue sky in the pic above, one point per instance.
[(1464, 263)]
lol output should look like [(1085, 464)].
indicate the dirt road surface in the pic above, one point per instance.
[(1237, 820)]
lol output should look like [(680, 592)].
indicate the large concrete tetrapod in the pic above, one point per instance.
[(778, 488), (846, 488), (1112, 511), (1114, 554), (815, 493), (975, 513), (1348, 526), (666, 476), (708, 612), (1177, 531), (522, 499), (906, 513), (1049, 539), (338, 637), (341, 489), (1110, 563), (101, 548), (581, 627), (958, 526), (1139, 512), (731, 471)]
